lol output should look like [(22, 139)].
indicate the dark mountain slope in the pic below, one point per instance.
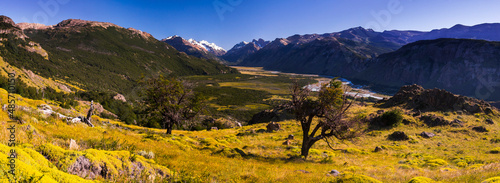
[(464, 66), (96, 55)]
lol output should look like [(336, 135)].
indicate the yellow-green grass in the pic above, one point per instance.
[(274, 88), (453, 155)]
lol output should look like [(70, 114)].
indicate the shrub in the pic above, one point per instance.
[(492, 180), (355, 178), (495, 151), (389, 119), (146, 154), (421, 180)]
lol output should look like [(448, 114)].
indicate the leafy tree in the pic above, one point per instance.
[(170, 101), (330, 106)]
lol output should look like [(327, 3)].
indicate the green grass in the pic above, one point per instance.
[(222, 156)]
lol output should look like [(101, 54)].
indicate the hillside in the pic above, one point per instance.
[(246, 154), (467, 67), (83, 53)]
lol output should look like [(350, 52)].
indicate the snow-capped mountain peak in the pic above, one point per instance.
[(210, 47)]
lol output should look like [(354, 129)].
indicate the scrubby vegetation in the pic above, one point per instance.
[(248, 153)]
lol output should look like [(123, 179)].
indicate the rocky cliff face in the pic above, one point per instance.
[(244, 49), (419, 99), (467, 67), (192, 47)]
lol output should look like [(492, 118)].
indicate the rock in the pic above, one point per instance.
[(120, 97), (398, 136), (270, 115), (287, 143), (303, 171), (76, 120), (214, 128), (290, 137), (73, 145), (273, 126), (378, 149), (418, 113), (459, 117), (427, 134), (456, 123), (84, 168), (44, 107), (261, 130), (334, 172), (480, 129), (417, 98), (241, 152), (238, 124), (380, 111), (488, 111), (489, 121), (433, 120)]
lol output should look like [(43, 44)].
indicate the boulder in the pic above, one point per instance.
[(433, 120), (489, 121), (83, 167), (287, 143), (278, 114), (73, 145), (334, 172), (273, 126), (378, 149), (120, 97), (303, 171), (214, 128), (456, 123), (480, 129), (290, 137), (427, 134), (398, 136)]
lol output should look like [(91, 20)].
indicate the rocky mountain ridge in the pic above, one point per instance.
[(202, 49)]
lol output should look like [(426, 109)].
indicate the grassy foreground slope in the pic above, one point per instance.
[(244, 154)]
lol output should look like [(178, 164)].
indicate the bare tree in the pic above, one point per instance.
[(330, 107), (170, 101)]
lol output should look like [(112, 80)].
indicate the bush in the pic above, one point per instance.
[(421, 180), (495, 151), (388, 119), (355, 178), (492, 180)]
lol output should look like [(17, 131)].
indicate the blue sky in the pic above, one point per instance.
[(227, 22)]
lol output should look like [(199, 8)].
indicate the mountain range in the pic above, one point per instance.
[(382, 60), (73, 55)]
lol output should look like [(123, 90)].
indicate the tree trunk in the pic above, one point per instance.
[(169, 127), (305, 149)]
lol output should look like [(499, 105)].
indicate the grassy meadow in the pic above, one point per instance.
[(246, 154)]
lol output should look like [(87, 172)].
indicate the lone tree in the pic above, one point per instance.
[(170, 101), (330, 107)]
